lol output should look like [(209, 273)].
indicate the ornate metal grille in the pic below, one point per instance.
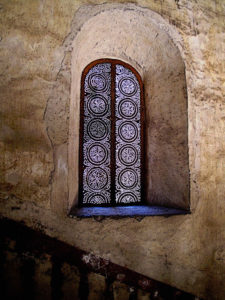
[(111, 130)]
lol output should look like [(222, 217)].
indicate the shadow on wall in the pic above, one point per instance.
[(36, 266)]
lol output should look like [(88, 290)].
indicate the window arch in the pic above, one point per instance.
[(111, 135)]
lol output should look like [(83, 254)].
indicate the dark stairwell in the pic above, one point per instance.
[(35, 266)]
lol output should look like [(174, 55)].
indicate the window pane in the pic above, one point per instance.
[(97, 135), (128, 137), (111, 135)]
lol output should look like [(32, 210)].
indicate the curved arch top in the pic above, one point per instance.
[(115, 62)]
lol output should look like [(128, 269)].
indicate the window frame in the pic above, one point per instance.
[(113, 63)]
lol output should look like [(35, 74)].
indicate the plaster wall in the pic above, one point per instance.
[(185, 251), (133, 35)]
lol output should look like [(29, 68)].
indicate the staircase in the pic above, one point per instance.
[(36, 266)]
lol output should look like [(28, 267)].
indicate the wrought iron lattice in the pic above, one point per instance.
[(111, 129), (128, 137)]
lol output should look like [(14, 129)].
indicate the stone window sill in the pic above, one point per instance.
[(127, 211)]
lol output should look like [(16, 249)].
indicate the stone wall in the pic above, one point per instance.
[(184, 251)]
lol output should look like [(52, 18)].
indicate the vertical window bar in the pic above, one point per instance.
[(113, 138)]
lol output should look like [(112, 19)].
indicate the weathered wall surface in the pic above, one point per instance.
[(36, 266), (136, 36), (184, 251)]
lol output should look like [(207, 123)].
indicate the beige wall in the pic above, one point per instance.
[(184, 251), (145, 41)]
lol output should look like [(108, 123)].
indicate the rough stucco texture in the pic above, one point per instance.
[(154, 54), (184, 251)]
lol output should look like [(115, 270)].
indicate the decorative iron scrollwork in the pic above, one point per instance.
[(97, 135), (128, 138), (106, 158)]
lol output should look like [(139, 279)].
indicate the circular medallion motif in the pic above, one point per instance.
[(97, 105), (127, 108), (128, 178), (128, 86), (128, 131), (97, 178), (128, 155), (97, 129), (97, 82), (97, 154), (127, 198), (96, 199)]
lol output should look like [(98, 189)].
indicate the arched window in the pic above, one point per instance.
[(111, 132)]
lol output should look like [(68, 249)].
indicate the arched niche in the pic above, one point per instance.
[(137, 38)]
